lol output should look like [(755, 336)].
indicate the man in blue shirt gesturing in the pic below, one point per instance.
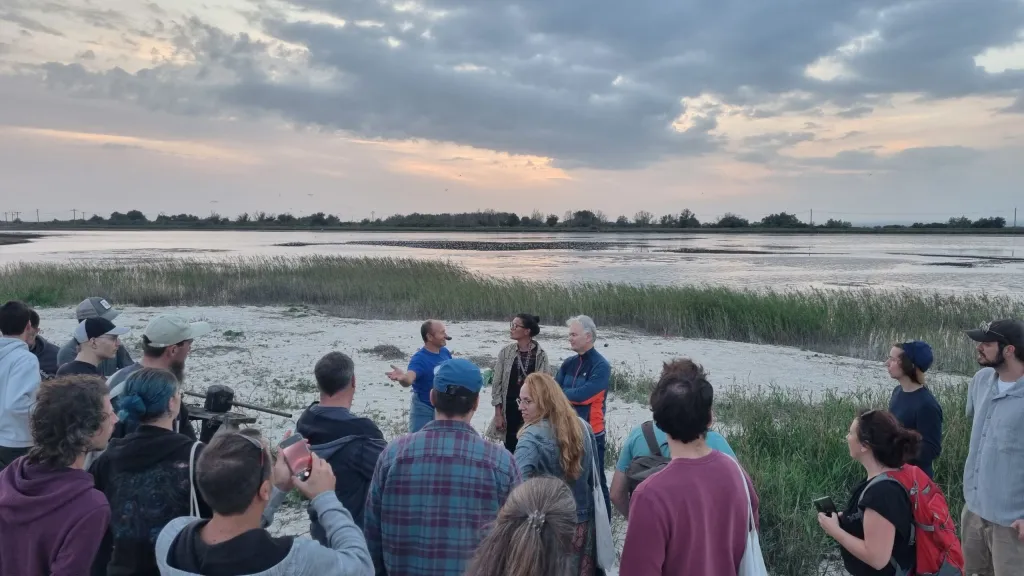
[(420, 372)]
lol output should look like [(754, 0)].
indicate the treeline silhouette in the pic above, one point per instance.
[(587, 219)]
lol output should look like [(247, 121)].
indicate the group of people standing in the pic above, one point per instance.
[(106, 476)]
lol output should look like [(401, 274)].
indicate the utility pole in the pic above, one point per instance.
[(1015, 217), (74, 214), (812, 217), (37, 215)]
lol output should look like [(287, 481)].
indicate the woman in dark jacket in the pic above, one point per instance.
[(148, 476), (515, 362)]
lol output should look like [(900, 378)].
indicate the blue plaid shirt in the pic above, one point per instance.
[(432, 495)]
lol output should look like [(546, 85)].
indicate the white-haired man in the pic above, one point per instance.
[(584, 379)]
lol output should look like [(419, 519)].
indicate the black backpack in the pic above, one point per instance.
[(642, 467)]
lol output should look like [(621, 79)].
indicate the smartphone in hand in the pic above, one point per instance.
[(825, 506), (296, 455)]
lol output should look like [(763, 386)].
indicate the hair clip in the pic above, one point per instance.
[(536, 520)]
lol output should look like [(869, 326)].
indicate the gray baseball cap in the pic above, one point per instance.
[(96, 307), (169, 329)]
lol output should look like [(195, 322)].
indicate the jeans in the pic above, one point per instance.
[(419, 414), (604, 479)]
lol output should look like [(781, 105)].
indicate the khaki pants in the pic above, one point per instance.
[(990, 549)]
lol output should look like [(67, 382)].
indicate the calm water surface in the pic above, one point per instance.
[(923, 262)]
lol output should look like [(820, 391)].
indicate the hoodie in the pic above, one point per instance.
[(51, 519), (180, 549), (107, 367), (46, 352), (145, 477), (351, 445), (19, 382)]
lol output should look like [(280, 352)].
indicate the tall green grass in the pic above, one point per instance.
[(795, 450), (854, 323)]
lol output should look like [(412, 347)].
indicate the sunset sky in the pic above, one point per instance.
[(867, 110)]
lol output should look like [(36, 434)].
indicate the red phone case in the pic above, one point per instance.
[(297, 455)]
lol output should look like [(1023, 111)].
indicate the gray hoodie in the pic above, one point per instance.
[(347, 555), (19, 382)]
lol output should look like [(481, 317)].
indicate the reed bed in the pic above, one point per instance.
[(861, 324), (795, 450), (792, 446)]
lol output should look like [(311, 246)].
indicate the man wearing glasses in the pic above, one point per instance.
[(97, 341), (992, 525)]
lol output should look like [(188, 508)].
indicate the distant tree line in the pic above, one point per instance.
[(588, 219)]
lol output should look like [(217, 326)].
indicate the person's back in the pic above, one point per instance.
[(690, 518), (444, 484), (51, 517), (434, 491), (351, 445), (693, 516), (145, 477), (540, 456), (19, 381), (40, 507)]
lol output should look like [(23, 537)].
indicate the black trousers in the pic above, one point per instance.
[(8, 455)]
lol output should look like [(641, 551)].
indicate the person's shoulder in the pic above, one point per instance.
[(928, 398), (636, 435), (25, 356), (986, 374), (718, 442), (884, 495), (93, 500)]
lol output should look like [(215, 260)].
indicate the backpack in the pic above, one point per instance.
[(643, 467), (932, 534)]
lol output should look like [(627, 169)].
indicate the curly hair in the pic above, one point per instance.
[(69, 411), (555, 407)]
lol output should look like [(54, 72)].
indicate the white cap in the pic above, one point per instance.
[(168, 329)]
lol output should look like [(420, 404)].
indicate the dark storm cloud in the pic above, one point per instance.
[(588, 83)]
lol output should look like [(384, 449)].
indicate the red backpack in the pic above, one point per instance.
[(933, 534)]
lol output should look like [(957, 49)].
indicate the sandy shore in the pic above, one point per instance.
[(267, 355)]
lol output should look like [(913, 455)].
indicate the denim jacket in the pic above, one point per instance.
[(537, 454)]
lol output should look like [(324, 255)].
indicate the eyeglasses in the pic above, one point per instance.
[(515, 326), (260, 446), (521, 401)]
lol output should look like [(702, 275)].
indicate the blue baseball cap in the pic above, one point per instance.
[(919, 353), (460, 373)]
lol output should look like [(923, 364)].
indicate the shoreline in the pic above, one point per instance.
[(609, 229)]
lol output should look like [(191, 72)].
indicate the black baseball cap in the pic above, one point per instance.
[(95, 327), (1009, 332)]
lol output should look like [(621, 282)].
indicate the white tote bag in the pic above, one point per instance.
[(752, 563), (193, 507), (604, 543)]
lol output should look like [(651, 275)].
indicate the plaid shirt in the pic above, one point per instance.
[(431, 497)]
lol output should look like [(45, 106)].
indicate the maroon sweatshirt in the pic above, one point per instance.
[(690, 518), (52, 520)]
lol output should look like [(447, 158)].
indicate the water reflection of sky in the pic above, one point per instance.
[(805, 261)]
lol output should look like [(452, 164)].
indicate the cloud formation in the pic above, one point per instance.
[(567, 92)]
